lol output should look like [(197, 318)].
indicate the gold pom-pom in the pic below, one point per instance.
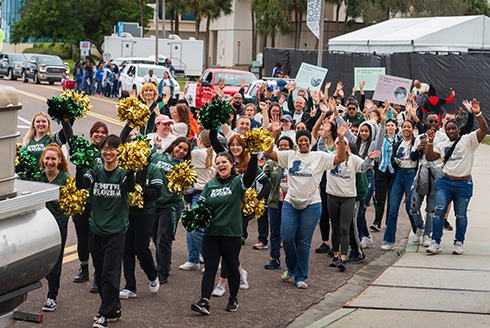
[(133, 111), (72, 200), (251, 206), (257, 140), (136, 197), (18, 154), (84, 100), (133, 155), (182, 177)]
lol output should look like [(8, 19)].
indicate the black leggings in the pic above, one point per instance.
[(82, 227), (341, 212), (325, 217), (214, 247)]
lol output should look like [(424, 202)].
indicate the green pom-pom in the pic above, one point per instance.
[(60, 108), (140, 137), (198, 218), (82, 152), (26, 166), (215, 113)]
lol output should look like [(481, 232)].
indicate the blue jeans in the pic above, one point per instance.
[(194, 238), (78, 85), (275, 225), (459, 192), (300, 225), (263, 228), (416, 216), (99, 87), (401, 186)]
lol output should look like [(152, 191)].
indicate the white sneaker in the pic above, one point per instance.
[(418, 236), (426, 242), (243, 280), (154, 286), (387, 246), (126, 293), (458, 248), (434, 248), (189, 266), (366, 241), (201, 259), (219, 291)]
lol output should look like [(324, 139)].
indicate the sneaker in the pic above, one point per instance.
[(189, 266), (219, 291), (201, 259), (418, 236), (93, 287), (273, 264), (355, 259), (335, 262), (342, 265), (366, 241), (324, 248), (375, 227), (434, 248), (126, 293), (202, 307), (259, 245), (49, 305), (232, 305), (302, 285), (458, 248), (286, 276), (387, 246), (101, 322), (116, 317), (447, 226), (154, 286), (426, 242), (243, 280)]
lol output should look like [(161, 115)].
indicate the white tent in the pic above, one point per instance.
[(458, 33)]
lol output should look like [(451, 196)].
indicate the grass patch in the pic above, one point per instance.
[(486, 140)]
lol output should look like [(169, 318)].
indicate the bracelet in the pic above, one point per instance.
[(478, 115), (430, 143)]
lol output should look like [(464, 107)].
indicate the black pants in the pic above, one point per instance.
[(245, 220), (54, 276), (163, 241), (137, 244), (325, 217), (383, 181), (355, 233), (228, 248), (82, 228), (341, 212), (107, 253), (263, 228)]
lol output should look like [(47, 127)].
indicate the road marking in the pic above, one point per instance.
[(70, 249), (69, 258), (23, 127), (90, 113), (24, 120), (91, 97)]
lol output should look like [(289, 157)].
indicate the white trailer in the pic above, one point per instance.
[(186, 55)]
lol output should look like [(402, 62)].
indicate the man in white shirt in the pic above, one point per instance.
[(150, 77), (419, 87), (456, 183)]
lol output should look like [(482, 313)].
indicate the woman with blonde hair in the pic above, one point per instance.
[(182, 126), (149, 95), (40, 135)]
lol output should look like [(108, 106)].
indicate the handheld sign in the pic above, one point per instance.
[(369, 75), (310, 76), (392, 88)]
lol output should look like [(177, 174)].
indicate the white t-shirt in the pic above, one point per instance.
[(440, 136), (461, 161), (341, 181), (204, 174), (304, 173), (179, 129), (403, 154), (424, 87), (297, 117), (149, 78), (165, 141)]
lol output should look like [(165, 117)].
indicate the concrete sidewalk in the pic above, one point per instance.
[(419, 289)]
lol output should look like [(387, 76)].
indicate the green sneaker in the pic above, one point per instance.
[(286, 276)]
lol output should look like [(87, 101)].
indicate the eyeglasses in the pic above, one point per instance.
[(432, 121), (109, 149), (351, 108)]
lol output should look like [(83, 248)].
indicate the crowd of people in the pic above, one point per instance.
[(333, 156)]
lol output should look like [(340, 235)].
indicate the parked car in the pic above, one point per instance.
[(132, 76), (204, 91), (254, 86), (132, 60), (44, 68), (11, 65)]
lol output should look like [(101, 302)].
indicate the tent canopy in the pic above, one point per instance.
[(458, 33)]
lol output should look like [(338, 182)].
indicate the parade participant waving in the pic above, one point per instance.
[(456, 184), (223, 237)]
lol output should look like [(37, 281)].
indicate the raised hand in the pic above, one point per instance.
[(221, 83), (276, 126), (263, 106), (354, 90), (369, 104), (133, 93), (475, 106), (323, 108), (374, 154), (467, 105), (316, 97), (361, 85), (333, 106), (262, 88), (327, 86), (341, 130), (340, 86), (341, 93), (219, 91), (243, 83)]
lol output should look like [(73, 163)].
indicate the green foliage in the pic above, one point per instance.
[(62, 50), (271, 16)]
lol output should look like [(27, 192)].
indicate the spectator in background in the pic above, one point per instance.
[(107, 80), (98, 79), (150, 77), (115, 80), (434, 103), (420, 88), (78, 75), (168, 64), (166, 82), (277, 70), (87, 79)]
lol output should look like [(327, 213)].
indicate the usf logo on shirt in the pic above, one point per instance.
[(109, 190), (456, 156), (340, 171), (225, 191), (34, 148), (167, 167), (300, 169)]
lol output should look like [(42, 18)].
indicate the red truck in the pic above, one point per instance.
[(204, 91)]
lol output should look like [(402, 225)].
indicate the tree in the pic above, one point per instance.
[(73, 21), (271, 16), (299, 8)]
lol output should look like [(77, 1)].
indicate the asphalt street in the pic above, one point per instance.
[(268, 303)]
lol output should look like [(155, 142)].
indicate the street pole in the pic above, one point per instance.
[(320, 39), (156, 32), (163, 19)]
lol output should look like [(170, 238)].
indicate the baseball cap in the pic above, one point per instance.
[(163, 119), (287, 117)]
